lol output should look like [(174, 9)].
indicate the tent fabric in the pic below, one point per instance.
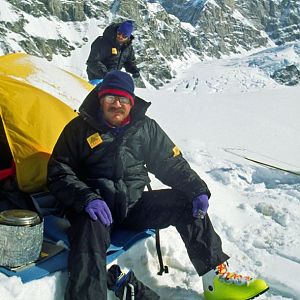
[(32, 119)]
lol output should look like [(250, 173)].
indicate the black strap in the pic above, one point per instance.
[(162, 267)]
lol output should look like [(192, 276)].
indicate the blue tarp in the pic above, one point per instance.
[(55, 230)]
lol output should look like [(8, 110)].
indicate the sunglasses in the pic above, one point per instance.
[(110, 99), (122, 35)]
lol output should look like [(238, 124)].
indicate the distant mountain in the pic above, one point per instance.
[(167, 31)]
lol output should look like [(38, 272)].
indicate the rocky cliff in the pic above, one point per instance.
[(166, 30)]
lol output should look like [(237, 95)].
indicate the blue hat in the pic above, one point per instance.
[(117, 83), (126, 28)]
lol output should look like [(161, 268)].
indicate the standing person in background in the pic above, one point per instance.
[(113, 51)]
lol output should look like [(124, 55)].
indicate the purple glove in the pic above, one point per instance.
[(200, 206), (98, 209)]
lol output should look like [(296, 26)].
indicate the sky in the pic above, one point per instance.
[(217, 112)]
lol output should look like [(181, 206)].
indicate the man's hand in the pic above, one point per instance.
[(200, 206), (136, 75), (98, 209)]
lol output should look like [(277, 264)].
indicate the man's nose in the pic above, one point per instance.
[(117, 103)]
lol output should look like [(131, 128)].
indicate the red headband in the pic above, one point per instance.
[(117, 93)]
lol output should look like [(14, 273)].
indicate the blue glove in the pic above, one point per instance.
[(98, 209), (200, 206), (95, 82)]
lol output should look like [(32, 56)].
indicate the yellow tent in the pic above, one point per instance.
[(32, 116)]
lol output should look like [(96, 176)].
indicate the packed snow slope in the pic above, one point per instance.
[(216, 112)]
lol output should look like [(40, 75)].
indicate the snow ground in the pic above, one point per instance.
[(209, 108)]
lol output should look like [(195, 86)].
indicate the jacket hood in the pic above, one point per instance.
[(110, 34), (90, 108)]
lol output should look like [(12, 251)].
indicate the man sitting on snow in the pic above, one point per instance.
[(99, 169)]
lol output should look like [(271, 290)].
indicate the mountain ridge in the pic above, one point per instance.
[(166, 30)]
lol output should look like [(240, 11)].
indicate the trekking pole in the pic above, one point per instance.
[(162, 268), (125, 293), (131, 291)]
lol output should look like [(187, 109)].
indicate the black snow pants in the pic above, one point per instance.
[(156, 209)]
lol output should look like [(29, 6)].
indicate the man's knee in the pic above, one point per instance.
[(87, 234)]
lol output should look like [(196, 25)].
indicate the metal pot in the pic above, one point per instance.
[(21, 237)]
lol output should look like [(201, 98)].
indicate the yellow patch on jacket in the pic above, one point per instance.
[(94, 140), (114, 51), (176, 151)]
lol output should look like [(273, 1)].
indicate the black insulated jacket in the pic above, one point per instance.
[(107, 55), (90, 161)]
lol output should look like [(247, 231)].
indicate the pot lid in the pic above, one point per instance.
[(19, 217)]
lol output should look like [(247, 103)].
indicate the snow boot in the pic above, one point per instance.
[(219, 284), (127, 287)]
